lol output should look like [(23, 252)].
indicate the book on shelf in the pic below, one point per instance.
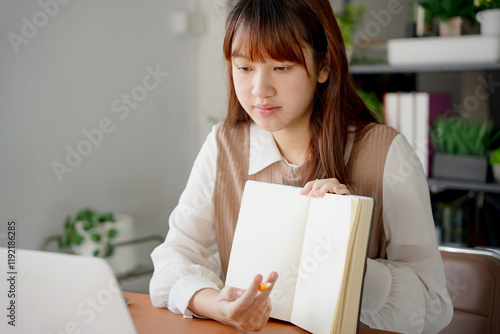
[(318, 246), (412, 114)]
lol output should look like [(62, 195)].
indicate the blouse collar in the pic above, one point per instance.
[(263, 150)]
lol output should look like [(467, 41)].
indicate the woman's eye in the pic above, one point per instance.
[(244, 69), (282, 68)]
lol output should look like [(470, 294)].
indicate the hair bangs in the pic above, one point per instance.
[(264, 32)]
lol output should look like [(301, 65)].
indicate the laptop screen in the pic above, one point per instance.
[(55, 293)]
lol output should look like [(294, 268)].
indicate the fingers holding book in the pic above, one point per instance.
[(319, 188)]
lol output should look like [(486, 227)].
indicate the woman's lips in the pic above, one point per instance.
[(266, 110)]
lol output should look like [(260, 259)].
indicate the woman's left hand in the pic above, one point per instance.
[(319, 188)]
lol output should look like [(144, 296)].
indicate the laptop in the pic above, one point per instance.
[(53, 293)]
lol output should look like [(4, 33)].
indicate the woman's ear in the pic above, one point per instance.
[(323, 74)]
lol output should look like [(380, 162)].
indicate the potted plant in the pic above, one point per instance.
[(91, 233), (488, 15), (461, 148), (89, 225), (495, 164), (451, 14)]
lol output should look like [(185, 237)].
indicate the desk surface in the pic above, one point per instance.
[(150, 320)]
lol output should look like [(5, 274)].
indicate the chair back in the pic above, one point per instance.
[(473, 282)]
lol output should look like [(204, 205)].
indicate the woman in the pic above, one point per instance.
[(293, 117)]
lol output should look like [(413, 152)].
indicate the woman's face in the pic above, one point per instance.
[(276, 95)]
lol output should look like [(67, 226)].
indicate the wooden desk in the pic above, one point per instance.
[(151, 320)]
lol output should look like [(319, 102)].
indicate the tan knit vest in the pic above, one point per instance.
[(366, 165)]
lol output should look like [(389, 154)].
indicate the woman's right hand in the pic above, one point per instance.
[(247, 309)]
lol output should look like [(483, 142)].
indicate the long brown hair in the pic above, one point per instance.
[(279, 29)]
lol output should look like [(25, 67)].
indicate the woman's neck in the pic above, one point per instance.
[(293, 144)]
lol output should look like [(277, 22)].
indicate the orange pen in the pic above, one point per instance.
[(265, 286)]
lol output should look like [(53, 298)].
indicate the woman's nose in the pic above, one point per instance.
[(263, 85)]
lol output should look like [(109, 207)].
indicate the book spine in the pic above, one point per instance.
[(412, 114)]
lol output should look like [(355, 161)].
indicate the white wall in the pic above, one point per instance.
[(212, 82), (62, 80)]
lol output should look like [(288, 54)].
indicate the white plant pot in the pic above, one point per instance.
[(451, 27), (124, 258), (490, 22)]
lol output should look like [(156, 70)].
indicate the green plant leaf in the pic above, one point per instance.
[(95, 237), (87, 226), (84, 214), (96, 253), (107, 218), (112, 234), (94, 220), (446, 9), (68, 229), (453, 135), (109, 251), (90, 221), (495, 157), (486, 4), (493, 138), (348, 21), (373, 103), (78, 239)]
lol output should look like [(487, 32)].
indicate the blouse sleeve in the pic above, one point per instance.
[(407, 292), (188, 260)]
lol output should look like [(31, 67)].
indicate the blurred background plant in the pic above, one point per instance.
[(495, 157), (348, 21), (486, 4), (373, 103), (495, 164), (454, 135), (447, 9), (89, 224)]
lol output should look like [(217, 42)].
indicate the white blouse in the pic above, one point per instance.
[(406, 293)]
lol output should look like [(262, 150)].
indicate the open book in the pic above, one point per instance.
[(318, 247)]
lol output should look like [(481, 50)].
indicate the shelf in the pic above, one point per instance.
[(139, 271), (439, 185), (384, 68)]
